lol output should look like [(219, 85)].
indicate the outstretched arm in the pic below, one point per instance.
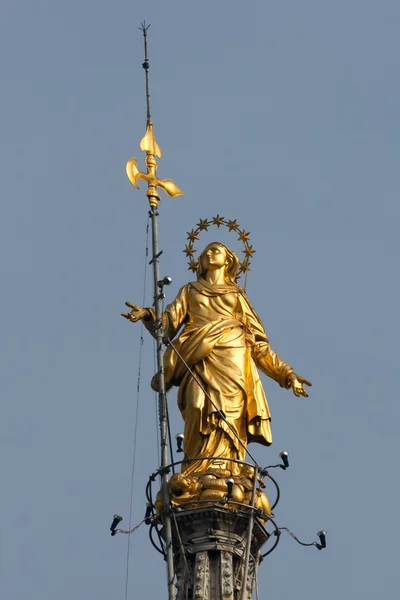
[(172, 318), (265, 358), (297, 383), (136, 314), (269, 362)]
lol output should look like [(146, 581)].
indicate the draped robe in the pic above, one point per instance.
[(223, 342)]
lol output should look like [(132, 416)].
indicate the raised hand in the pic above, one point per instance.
[(136, 314), (297, 382)]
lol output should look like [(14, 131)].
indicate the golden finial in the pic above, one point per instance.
[(149, 145)]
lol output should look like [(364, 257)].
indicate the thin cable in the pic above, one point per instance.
[(255, 573), (219, 412), (156, 404), (181, 546), (136, 414), (133, 464), (129, 531), (168, 421), (169, 436), (297, 539), (245, 281), (158, 426), (257, 586)]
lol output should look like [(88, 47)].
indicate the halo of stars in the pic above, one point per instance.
[(232, 225)]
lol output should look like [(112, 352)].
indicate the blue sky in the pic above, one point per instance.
[(284, 115)]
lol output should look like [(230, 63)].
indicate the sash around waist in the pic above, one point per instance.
[(195, 343)]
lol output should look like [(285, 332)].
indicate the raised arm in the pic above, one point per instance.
[(172, 318)]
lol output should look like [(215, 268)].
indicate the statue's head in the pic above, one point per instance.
[(217, 256)]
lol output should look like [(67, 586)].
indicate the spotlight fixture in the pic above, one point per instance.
[(285, 459), (229, 482), (147, 516), (322, 538), (321, 534), (116, 520), (284, 456), (165, 281), (179, 442)]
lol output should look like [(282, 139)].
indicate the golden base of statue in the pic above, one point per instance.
[(189, 491)]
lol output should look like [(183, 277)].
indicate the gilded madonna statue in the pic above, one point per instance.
[(216, 332)]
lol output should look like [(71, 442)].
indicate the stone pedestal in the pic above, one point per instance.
[(209, 547)]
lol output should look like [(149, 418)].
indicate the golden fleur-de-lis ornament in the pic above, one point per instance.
[(149, 145)]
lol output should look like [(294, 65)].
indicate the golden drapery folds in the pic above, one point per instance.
[(223, 342)]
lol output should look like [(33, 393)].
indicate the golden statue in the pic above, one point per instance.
[(223, 342)]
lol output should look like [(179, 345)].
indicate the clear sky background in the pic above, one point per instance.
[(284, 115)]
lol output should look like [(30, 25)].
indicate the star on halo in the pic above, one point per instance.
[(218, 221), (193, 264), (203, 224), (233, 225), (244, 236), (248, 250), (244, 266), (192, 235), (189, 250)]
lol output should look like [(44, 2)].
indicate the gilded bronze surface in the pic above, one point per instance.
[(149, 145), (208, 487), (232, 225), (222, 400)]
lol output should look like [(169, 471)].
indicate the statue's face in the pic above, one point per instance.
[(214, 257)]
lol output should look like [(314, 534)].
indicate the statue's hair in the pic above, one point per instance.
[(231, 271)]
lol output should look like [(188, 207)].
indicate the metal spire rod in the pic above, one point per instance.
[(149, 145), (162, 404), (145, 66), (152, 150)]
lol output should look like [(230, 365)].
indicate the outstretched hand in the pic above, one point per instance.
[(297, 383), (136, 313)]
